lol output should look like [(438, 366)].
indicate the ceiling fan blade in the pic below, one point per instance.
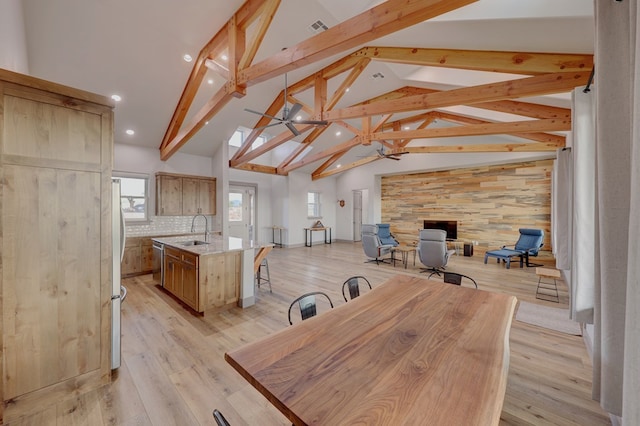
[(291, 127), (263, 114), (295, 109), (268, 125), (314, 122)]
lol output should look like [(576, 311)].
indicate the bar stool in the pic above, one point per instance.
[(546, 289), (259, 277)]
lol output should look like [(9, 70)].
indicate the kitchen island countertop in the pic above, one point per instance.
[(215, 244)]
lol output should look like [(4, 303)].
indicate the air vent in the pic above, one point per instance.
[(318, 27), (377, 75)]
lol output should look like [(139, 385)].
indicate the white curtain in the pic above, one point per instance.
[(583, 260), (616, 377), (562, 208)]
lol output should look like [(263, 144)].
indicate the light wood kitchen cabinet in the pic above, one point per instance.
[(146, 258), (183, 195), (190, 280), (168, 195), (138, 257), (56, 149), (131, 259), (181, 275), (198, 196)]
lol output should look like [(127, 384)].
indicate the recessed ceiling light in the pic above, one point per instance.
[(298, 117), (224, 57), (338, 166), (130, 132), (347, 89), (116, 98), (206, 122), (407, 127), (187, 58), (338, 133), (210, 81)]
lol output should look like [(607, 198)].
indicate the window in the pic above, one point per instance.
[(313, 204), (134, 198), (238, 138)]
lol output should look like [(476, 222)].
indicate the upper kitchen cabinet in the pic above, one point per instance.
[(169, 195), (56, 148), (182, 195)]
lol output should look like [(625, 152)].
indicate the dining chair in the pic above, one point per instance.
[(353, 284), (307, 304), (219, 418), (454, 278)]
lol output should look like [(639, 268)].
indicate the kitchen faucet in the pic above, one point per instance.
[(206, 225)]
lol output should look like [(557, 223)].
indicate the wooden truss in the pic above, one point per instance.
[(543, 74)]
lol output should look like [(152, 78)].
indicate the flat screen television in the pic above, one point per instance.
[(449, 226)]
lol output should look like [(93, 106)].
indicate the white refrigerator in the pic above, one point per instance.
[(118, 292)]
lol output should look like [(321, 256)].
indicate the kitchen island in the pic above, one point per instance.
[(209, 273)]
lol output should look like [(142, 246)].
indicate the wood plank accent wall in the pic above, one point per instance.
[(490, 203)]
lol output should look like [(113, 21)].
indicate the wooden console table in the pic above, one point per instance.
[(410, 351), (308, 237)]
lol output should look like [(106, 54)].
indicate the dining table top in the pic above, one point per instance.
[(410, 351)]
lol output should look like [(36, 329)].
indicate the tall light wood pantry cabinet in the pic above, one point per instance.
[(56, 147)]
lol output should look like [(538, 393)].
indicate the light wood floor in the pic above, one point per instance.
[(174, 373)]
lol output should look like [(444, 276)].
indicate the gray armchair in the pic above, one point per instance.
[(373, 247), (432, 250)]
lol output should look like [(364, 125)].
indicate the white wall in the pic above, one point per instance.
[(13, 42), (137, 159)]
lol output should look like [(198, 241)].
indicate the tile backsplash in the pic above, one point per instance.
[(169, 225)]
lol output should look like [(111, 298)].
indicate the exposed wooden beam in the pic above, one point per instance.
[(312, 136), (267, 12), (505, 62), (347, 82), (349, 127), (250, 167), (549, 124), (526, 109), (269, 145), (322, 174), (381, 20), (559, 140), (217, 43), (531, 86), (215, 104), (324, 166), (490, 147), (324, 154), (237, 40), (273, 109)]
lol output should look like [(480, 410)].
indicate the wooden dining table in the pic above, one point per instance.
[(410, 351)]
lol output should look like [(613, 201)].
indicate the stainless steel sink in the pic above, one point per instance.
[(194, 243)]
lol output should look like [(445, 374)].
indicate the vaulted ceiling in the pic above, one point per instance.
[(490, 75), (394, 119)]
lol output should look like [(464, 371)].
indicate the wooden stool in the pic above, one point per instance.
[(548, 273)]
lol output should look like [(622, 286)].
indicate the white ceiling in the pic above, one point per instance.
[(135, 49)]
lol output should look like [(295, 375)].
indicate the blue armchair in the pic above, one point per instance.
[(385, 235), (529, 244)]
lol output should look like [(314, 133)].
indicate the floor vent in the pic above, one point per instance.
[(318, 27)]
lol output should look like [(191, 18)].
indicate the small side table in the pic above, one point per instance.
[(404, 253), (546, 289), (273, 235), (308, 236)]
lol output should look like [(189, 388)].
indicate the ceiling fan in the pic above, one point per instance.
[(288, 115), (392, 156)]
